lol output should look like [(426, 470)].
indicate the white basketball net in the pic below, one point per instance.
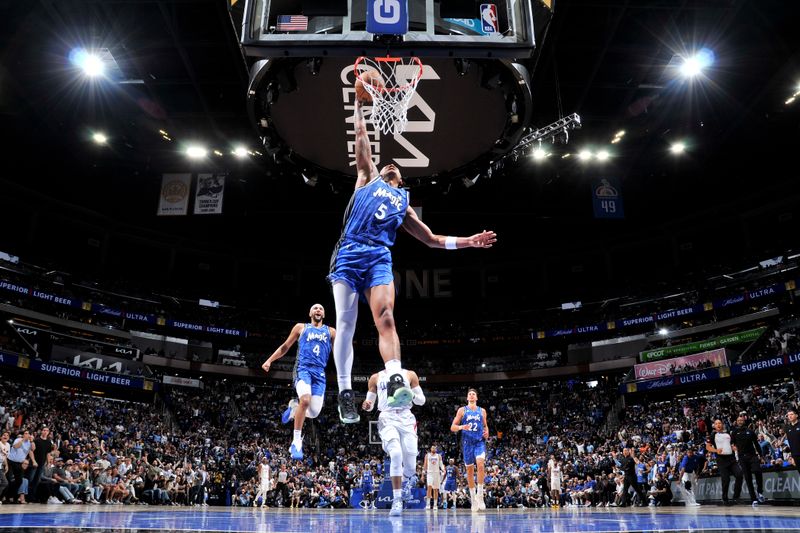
[(390, 102)]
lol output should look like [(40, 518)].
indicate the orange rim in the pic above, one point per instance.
[(389, 59)]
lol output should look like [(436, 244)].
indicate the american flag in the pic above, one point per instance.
[(292, 23)]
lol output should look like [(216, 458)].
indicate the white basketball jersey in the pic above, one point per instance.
[(434, 460), (264, 474), (383, 399)]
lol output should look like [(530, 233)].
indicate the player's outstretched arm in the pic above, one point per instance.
[(364, 164), (485, 424), (456, 426), (420, 231), (283, 348)]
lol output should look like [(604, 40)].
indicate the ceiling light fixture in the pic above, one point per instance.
[(196, 152)]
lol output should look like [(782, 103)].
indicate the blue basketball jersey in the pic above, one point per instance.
[(366, 478), (475, 420), (375, 212), (314, 346), (450, 473)]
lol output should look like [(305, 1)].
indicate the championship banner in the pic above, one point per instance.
[(174, 199), (669, 367), (696, 347), (209, 193)]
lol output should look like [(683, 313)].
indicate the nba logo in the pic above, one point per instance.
[(489, 18)]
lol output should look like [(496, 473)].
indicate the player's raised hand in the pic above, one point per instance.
[(484, 239)]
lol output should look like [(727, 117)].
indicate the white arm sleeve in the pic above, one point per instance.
[(371, 397), (419, 397)]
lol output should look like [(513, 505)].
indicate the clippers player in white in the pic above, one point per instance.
[(264, 482), (361, 265), (472, 423), (434, 470), (397, 427), (313, 349)]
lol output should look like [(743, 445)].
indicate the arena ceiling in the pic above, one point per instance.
[(731, 196)]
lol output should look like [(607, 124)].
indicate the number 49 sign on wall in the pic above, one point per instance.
[(607, 199)]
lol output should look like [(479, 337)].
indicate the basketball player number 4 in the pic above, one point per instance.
[(387, 11), (316, 349), (381, 213)]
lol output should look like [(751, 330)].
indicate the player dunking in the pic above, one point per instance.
[(434, 470), (313, 349), (451, 482), (397, 427), (471, 421), (362, 263), (264, 482)]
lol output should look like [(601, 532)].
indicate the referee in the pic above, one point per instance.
[(720, 444), (791, 432), (745, 444)]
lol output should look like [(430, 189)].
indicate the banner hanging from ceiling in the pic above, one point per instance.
[(174, 198), (209, 193)]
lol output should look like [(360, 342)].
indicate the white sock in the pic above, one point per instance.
[(397, 494), (480, 490), (393, 367), (472, 491), (346, 300), (298, 438)]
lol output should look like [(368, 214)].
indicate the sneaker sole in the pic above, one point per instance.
[(344, 420), (402, 396)]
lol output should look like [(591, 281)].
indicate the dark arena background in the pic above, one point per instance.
[(173, 183)]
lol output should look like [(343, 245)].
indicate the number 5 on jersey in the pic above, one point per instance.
[(380, 214)]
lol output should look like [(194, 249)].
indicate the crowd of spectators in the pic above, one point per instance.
[(201, 446)]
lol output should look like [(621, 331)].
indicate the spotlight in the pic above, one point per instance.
[(539, 154), (620, 133), (99, 138), (240, 152), (584, 155), (677, 148), (91, 64), (196, 152), (694, 65), (602, 155), (218, 153), (663, 331)]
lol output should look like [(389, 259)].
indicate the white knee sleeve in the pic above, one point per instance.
[(346, 300), (410, 464), (314, 407), (395, 452)]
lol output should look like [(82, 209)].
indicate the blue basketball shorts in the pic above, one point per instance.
[(311, 376), (362, 266), (473, 449)]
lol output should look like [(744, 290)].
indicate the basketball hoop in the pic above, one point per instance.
[(390, 102)]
